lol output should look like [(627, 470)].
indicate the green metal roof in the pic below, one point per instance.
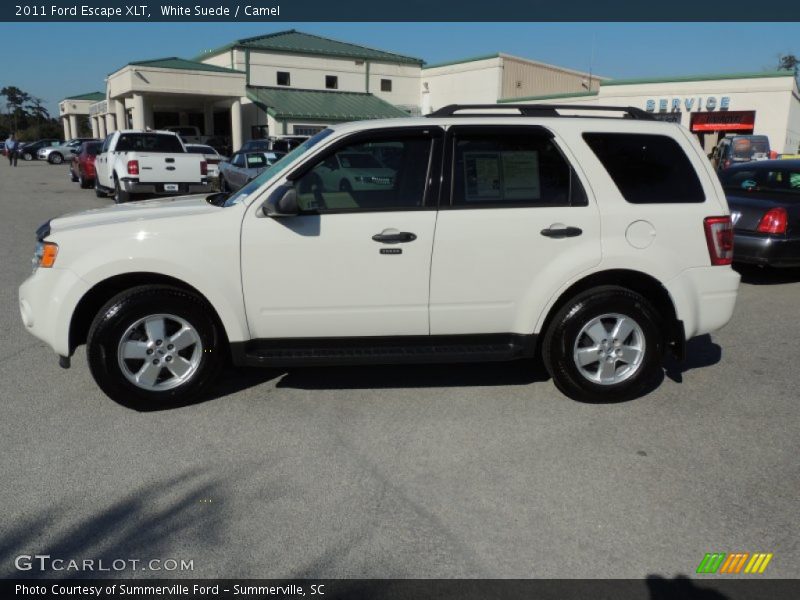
[(93, 96), (322, 105), (548, 97), (714, 77), (297, 42), (463, 60), (173, 62)]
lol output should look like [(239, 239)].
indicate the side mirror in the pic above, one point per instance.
[(282, 203)]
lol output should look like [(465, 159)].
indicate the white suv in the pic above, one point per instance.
[(490, 233)]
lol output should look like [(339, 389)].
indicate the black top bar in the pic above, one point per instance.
[(539, 110)]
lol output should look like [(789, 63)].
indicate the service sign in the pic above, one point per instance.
[(688, 103)]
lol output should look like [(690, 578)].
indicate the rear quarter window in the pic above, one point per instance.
[(647, 168)]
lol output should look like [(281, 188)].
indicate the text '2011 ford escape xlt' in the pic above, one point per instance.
[(597, 238)]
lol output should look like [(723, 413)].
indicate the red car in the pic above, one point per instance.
[(81, 168)]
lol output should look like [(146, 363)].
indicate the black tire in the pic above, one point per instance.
[(72, 177), (561, 342), (83, 183), (120, 195), (344, 186), (223, 185), (113, 320), (27, 156), (55, 158)]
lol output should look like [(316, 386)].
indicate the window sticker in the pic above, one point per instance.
[(511, 175)]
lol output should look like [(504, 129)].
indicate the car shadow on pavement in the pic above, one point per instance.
[(754, 275), (701, 352), (187, 510), (679, 588)]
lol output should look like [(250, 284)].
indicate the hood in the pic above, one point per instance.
[(140, 210)]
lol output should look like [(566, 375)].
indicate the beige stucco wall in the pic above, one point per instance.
[(174, 81), (476, 82)]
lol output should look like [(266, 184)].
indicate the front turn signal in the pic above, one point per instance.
[(47, 254)]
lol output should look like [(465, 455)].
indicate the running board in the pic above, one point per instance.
[(308, 352)]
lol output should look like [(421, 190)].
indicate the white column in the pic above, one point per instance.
[(108, 119), (95, 128), (73, 126), (138, 111), (119, 111), (65, 122), (236, 125), (101, 124), (208, 119)]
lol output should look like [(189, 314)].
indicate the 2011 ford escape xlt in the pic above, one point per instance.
[(596, 237)]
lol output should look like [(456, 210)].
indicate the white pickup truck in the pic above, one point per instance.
[(148, 162)]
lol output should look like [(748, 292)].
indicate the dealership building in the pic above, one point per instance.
[(712, 106), (290, 82)]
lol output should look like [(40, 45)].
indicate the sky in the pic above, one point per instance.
[(55, 60)]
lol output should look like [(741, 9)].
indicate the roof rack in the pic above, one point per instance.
[(541, 110)]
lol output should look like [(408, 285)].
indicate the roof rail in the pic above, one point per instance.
[(540, 110)]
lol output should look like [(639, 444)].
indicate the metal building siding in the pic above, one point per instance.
[(539, 80)]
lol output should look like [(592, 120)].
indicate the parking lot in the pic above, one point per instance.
[(428, 471)]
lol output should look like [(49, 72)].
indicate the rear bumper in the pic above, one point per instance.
[(134, 186), (766, 249), (704, 298)]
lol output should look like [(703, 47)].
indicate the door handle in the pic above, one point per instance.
[(392, 236), (561, 232)]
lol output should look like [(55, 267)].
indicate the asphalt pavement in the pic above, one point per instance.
[(409, 471)]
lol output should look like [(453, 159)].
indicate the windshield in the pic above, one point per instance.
[(749, 147), (276, 168)]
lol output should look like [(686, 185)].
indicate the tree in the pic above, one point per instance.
[(37, 111), (16, 100), (789, 62)]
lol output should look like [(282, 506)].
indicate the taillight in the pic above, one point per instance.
[(719, 236), (774, 221), (203, 167), (133, 167)]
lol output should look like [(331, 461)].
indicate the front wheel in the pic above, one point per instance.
[(55, 158), (155, 346), (27, 156), (604, 345)]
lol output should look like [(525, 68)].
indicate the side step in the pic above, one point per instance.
[(382, 350)]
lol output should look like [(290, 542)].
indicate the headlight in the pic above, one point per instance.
[(45, 255)]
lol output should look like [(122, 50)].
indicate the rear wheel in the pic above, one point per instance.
[(154, 346), (120, 195), (83, 183), (55, 158), (604, 345), (27, 156)]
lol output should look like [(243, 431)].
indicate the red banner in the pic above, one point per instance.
[(724, 121)]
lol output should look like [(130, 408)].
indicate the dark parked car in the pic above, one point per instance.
[(764, 198), (28, 151), (81, 168)]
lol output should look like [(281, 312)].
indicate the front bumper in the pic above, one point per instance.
[(134, 186), (704, 298), (765, 249), (47, 300)]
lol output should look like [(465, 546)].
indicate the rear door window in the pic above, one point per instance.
[(646, 168)]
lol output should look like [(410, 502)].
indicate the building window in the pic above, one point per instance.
[(386, 85), (331, 82), (283, 78)]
